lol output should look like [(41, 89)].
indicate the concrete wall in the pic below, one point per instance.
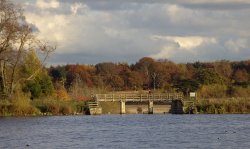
[(110, 107), (133, 108), (140, 109)]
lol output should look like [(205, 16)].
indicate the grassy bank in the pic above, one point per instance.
[(223, 106), (25, 107), (57, 107), (50, 106), (17, 108)]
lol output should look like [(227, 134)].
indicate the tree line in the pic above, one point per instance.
[(210, 79)]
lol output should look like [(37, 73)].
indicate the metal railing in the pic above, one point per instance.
[(138, 97)]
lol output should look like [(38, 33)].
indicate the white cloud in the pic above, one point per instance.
[(217, 1), (237, 45), (210, 1), (51, 27), (173, 10), (77, 6), (182, 30), (45, 4), (166, 52), (182, 48), (187, 42)]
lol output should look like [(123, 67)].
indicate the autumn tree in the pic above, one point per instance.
[(41, 84), (132, 79), (186, 85), (16, 40), (109, 73), (106, 69), (224, 68), (58, 74), (143, 66), (209, 76), (80, 73), (198, 65), (160, 75), (240, 75)]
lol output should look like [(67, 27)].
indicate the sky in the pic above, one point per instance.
[(95, 31)]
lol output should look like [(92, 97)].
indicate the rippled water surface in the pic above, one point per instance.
[(126, 131)]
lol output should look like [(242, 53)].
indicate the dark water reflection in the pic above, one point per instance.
[(127, 131)]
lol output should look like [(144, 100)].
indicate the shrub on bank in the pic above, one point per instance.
[(213, 91), (4, 107), (26, 107), (238, 91), (18, 106), (59, 107), (223, 106), (22, 107)]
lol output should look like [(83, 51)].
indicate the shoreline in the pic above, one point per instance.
[(52, 107)]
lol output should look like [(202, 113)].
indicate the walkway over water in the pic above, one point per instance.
[(139, 97), (174, 99)]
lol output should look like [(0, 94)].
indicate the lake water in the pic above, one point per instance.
[(126, 132)]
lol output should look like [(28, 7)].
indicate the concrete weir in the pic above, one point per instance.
[(138, 108), (142, 103)]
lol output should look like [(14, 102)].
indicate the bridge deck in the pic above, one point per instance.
[(138, 97)]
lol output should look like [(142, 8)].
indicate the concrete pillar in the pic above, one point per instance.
[(123, 107), (150, 107)]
